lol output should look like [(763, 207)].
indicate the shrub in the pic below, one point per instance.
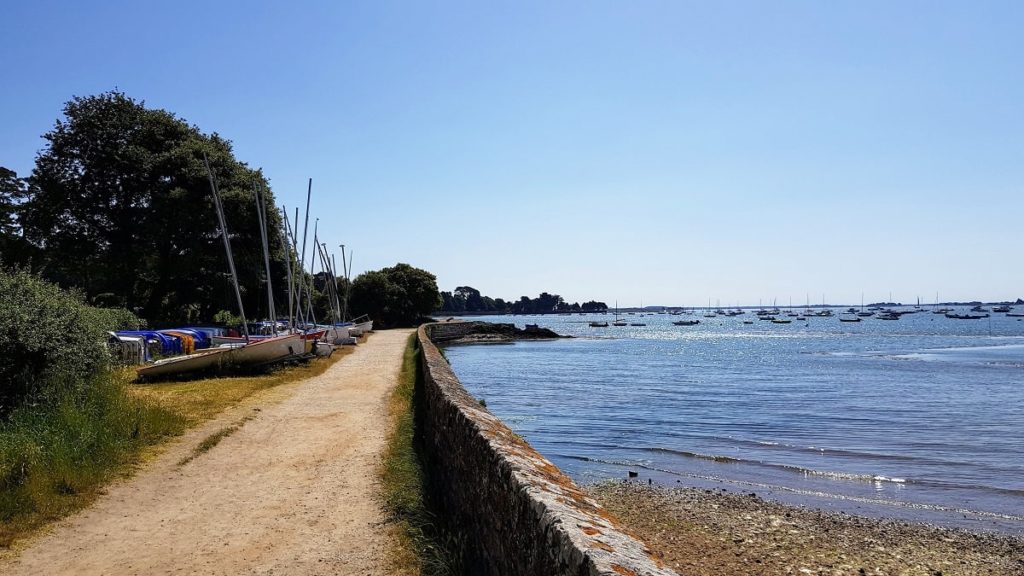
[(51, 342)]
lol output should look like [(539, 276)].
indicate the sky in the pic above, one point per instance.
[(659, 152)]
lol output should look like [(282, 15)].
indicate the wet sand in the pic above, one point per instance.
[(710, 532)]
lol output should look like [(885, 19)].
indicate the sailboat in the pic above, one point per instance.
[(862, 313), (618, 320), (251, 353)]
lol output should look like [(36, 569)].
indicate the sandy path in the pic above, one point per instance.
[(292, 492)]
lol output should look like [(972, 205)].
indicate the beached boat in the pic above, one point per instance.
[(127, 350), (255, 354), (207, 360), (159, 344)]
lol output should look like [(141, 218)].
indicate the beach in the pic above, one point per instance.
[(701, 532)]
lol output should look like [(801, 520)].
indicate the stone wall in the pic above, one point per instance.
[(520, 515)]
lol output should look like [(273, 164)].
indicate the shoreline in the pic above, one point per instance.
[(700, 531)]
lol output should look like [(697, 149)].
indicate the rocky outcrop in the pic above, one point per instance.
[(459, 332)]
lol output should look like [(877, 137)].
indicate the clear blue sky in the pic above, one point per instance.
[(665, 151)]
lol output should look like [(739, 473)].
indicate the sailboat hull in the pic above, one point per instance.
[(269, 350), (207, 360), (254, 354)]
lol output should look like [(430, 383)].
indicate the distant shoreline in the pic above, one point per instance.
[(667, 309)]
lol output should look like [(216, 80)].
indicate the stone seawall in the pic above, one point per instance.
[(520, 515)]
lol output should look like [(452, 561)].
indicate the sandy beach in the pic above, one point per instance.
[(702, 532)]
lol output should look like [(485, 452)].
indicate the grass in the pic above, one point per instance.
[(423, 545), (200, 400), (55, 458)]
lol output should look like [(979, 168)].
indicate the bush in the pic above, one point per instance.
[(51, 342), (67, 422)]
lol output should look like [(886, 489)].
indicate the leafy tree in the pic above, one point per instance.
[(547, 302), (452, 303), (12, 193), (395, 296), (120, 207), (474, 303)]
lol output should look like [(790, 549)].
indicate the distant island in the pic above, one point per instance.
[(468, 300)]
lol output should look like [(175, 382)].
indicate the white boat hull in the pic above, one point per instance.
[(221, 340), (211, 359), (258, 353), (337, 334), (269, 350)]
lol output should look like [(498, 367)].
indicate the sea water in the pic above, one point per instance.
[(920, 418)]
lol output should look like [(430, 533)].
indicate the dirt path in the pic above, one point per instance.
[(293, 491)]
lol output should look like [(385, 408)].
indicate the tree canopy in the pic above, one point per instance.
[(119, 206), (397, 296), (12, 193), (468, 299)]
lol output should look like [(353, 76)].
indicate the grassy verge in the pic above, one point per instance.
[(56, 457), (200, 400), (422, 546)]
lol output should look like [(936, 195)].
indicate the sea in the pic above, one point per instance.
[(919, 419)]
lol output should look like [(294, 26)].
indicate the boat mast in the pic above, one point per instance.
[(305, 231), (347, 265), (312, 268), (227, 243), (337, 291), (262, 216), (332, 282), (288, 258)]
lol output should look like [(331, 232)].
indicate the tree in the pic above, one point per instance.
[(397, 296), (120, 207), (12, 193), (474, 303), (547, 302)]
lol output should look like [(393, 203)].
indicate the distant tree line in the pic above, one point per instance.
[(466, 299)]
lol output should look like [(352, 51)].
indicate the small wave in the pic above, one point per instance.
[(845, 497), (788, 467), (840, 476), (830, 495)]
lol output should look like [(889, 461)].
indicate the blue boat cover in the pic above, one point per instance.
[(201, 337), (169, 344)]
